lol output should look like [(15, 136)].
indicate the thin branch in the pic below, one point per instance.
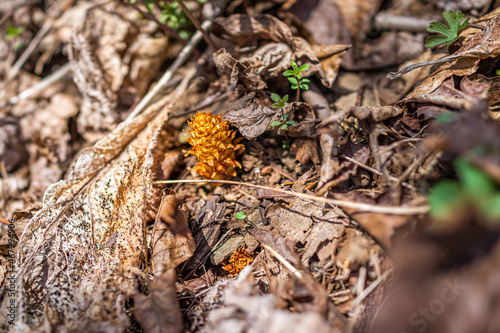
[(186, 51), (341, 203), (164, 27), (197, 24)]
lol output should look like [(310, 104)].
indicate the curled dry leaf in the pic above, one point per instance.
[(252, 120), (238, 71), (306, 150), (244, 30), (77, 254), (159, 311), (171, 242)]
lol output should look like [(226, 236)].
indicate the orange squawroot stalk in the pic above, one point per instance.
[(214, 146)]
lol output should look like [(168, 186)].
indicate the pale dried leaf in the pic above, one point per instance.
[(171, 242), (159, 311), (77, 253)]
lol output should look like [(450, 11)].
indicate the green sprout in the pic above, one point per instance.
[(456, 24), (295, 78), (240, 215), (474, 188), (280, 104), (13, 32)]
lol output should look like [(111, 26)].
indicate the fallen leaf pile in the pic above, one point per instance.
[(159, 178)]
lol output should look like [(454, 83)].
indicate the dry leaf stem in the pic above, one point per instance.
[(341, 203)]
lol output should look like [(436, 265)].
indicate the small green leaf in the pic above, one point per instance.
[(294, 86), (293, 80), (433, 41), (492, 207), (284, 126), (276, 98), (13, 32), (275, 123), (476, 184), (240, 215), (295, 67), (456, 23), (305, 81), (291, 122), (275, 105), (304, 67), (445, 118), (285, 116), (444, 199), (288, 73), (304, 87), (285, 99)]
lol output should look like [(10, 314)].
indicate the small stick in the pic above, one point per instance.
[(342, 203), (186, 51), (164, 27), (283, 261), (35, 89), (197, 24)]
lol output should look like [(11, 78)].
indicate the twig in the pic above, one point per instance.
[(41, 85), (284, 262), (395, 75), (368, 290), (375, 171), (164, 27), (387, 21), (197, 24), (186, 51), (342, 203)]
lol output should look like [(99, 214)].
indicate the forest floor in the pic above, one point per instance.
[(249, 166)]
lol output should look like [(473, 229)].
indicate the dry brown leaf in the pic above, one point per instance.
[(171, 242), (83, 245), (159, 311), (380, 226), (243, 30), (306, 150), (344, 170), (314, 297), (98, 69), (251, 120), (238, 71), (308, 224)]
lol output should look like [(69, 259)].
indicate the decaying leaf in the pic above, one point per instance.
[(77, 254), (159, 311), (252, 120), (309, 225), (171, 242), (306, 150), (238, 71), (380, 226)]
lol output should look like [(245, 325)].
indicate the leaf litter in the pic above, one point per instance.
[(325, 227)]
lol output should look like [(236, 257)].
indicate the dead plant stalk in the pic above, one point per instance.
[(341, 203)]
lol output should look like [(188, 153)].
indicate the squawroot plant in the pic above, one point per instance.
[(295, 78)]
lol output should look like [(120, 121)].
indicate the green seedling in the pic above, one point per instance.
[(474, 189), (13, 32), (456, 24), (295, 78), (240, 215), (280, 104)]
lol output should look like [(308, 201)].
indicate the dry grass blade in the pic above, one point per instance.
[(341, 203)]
